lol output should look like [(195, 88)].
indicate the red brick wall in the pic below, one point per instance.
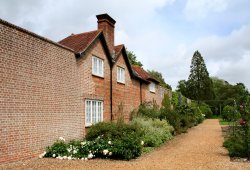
[(91, 86), (39, 95), (156, 96), (126, 97)]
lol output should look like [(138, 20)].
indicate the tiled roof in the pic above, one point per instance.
[(118, 49), (79, 42), (142, 73)]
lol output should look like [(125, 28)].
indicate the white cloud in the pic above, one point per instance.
[(226, 57), (199, 9)]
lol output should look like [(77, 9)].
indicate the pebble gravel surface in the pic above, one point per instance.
[(199, 149)]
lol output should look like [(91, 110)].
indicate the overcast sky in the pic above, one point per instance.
[(162, 33)]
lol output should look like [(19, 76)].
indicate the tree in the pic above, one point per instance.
[(199, 84), (133, 59), (158, 76), (182, 87)]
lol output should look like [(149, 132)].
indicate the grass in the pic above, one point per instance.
[(215, 117), (224, 122)]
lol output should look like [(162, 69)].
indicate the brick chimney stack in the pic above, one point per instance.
[(107, 25)]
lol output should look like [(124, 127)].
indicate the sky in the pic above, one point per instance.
[(164, 34)]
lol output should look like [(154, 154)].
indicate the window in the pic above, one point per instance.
[(93, 112), (152, 87), (120, 74), (97, 66)]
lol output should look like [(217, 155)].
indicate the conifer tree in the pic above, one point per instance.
[(199, 84)]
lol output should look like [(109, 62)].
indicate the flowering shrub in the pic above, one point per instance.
[(229, 113), (126, 138), (105, 140), (238, 142), (80, 149), (156, 131)]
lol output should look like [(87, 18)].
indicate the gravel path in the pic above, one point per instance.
[(200, 148)]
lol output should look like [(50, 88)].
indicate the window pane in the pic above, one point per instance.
[(88, 112), (93, 111), (99, 112)]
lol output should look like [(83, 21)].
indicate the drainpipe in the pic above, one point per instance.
[(141, 92), (111, 90)]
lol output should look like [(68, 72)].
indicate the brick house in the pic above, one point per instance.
[(51, 89)]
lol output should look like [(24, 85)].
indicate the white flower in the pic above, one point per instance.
[(85, 159), (42, 155), (142, 142), (65, 157), (69, 158), (90, 156), (105, 151), (74, 151), (83, 143), (203, 115), (62, 139), (69, 149), (109, 142), (110, 153), (54, 155), (59, 157)]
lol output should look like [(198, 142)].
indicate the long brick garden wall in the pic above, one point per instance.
[(39, 94)]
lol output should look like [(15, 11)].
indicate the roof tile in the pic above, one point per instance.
[(79, 42), (142, 73)]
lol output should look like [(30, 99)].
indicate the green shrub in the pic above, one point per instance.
[(127, 147), (113, 140), (58, 148), (229, 113), (156, 131), (236, 145), (149, 109), (126, 138), (206, 110), (174, 119), (183, 117)]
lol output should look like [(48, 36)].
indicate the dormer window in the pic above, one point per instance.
[(97, 66), (120, 75), (152, 87)]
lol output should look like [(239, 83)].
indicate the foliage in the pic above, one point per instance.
[(235, 144), (166, 103), (133, 59), (149, 109), (199, 85), (238, 142), (58, 148), (113, 140), (158, 76), (228, 94), (182, 87), (156, 131), (183, 117), (206, 110), (174, 100), (230, 113)]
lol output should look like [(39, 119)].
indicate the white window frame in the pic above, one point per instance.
[(152, 87), (93, 112), (97, 66), (120, 74)]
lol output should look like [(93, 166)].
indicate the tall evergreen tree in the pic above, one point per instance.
[(199, 84)]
